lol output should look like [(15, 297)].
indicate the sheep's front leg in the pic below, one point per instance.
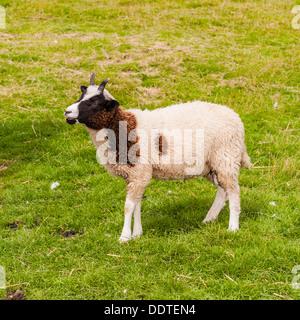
[(135, 190), (137, 226), (129, 208)]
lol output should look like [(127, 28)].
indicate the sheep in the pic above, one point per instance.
[(221, 152)]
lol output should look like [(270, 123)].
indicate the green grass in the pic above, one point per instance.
[(243, 54)]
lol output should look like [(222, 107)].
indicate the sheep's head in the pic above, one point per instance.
[(94, 100)]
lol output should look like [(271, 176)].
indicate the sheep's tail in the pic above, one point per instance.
[(245, 161)]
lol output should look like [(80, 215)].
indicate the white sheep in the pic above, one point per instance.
[(185, 141)]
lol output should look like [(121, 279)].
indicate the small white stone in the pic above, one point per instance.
[(54, 185), (272, 203)]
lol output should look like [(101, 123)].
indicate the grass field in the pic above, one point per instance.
[(243, 54)]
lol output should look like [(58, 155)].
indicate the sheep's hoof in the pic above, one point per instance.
[(208, 220), (233, 229), (137, 235), (124, 239)]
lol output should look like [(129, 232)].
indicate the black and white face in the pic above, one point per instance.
[(94, 99)]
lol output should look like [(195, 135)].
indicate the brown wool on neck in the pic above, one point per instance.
[(110, 120), (162, 145)]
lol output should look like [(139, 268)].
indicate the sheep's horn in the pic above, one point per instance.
[(92, 81), (102, 85)]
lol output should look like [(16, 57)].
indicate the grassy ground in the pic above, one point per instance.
[(244, 54)]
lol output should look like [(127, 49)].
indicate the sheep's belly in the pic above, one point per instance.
[(175, 172)]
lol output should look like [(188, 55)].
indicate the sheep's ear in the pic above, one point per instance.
[(83, 89), (111, 105)]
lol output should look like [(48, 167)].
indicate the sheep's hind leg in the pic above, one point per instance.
[(232, 189), (217, 206), (234, 207)]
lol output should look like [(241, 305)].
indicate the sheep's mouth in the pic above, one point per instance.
[(71, 120)]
